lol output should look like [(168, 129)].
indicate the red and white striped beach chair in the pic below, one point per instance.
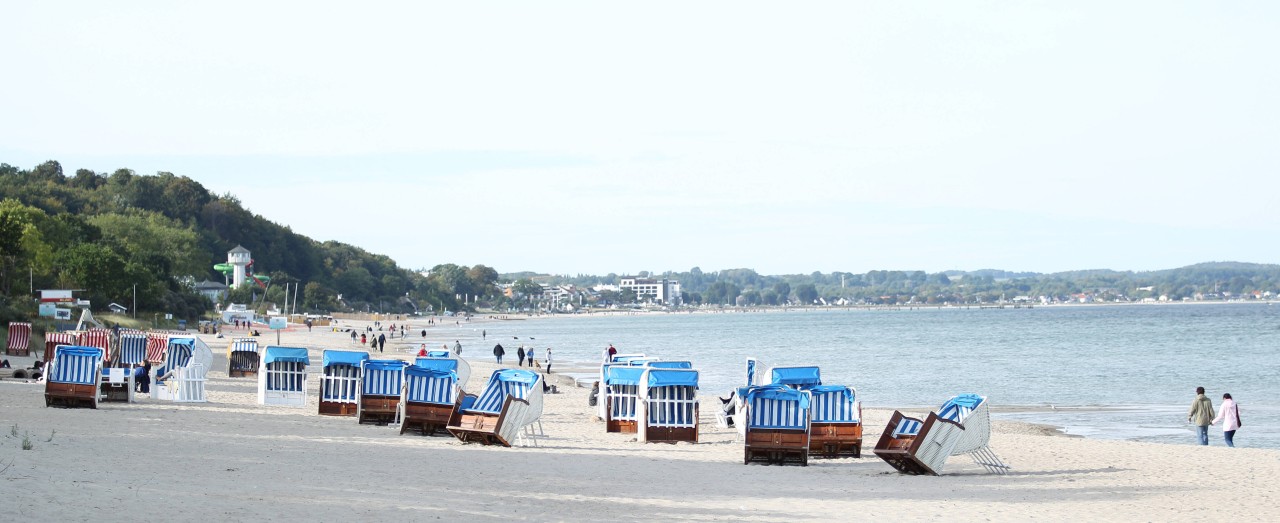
[(100, 338), (19, 339), (157, 344), (53, 339)]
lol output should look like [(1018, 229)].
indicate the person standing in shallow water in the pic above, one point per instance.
[(1201, 414), (1230, 418)]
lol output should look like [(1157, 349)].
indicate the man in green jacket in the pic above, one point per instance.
[(1201, 414)]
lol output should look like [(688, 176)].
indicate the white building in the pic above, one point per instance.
[(240, 259), (659, 291)]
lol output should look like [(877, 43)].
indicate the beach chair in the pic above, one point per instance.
[(796, 377), (116, 384), (72, 375), (621, 392), (243, 359), (836, 422), (133, 348), (100, 338), (157, 347), (340, 382), (19, 339), (431, 396), (283, 379), (53, 339), (668, 405), (380, 383), (916, 446), (181, 378), (777, 425), (505, 411)]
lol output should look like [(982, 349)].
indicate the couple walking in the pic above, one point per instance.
[(1201, 414)]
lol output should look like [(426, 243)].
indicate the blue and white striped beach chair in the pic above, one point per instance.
[(283, 377), (381, 381), (71, 379), (505, 410), (340, 382), (621, 393), (431, 396), (668, 405), (777, 425), (915, 446), (796, 377), (243, 359), (181, 377), (836, 428), (133, 348)]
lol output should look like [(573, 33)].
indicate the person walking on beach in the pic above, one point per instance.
[(422, 351), (353, 337), (520, 354), (457, 347), (382, 341), (528, 356), (1201, 414), (498, 352), (548, 360), (1230, 418), (362, 338)]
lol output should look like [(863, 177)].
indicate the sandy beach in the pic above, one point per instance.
[(232, 459)]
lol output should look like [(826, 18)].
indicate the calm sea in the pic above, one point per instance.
[(1115, 372)]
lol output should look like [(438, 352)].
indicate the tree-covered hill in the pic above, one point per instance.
[(104, 233)]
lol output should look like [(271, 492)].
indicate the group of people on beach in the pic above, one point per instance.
[(524, 355), (1201, 414)]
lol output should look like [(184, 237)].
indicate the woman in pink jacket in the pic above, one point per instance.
[(1229, 415)]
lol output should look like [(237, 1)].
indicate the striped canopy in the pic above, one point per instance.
[(958, 408)]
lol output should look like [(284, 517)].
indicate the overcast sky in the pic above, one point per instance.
[(599, 137)]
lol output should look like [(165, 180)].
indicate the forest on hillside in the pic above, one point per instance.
[(105, 233)]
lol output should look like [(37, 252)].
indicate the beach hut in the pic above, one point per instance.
[(431, 396), (243, 359), (505, 410), (71, 379), (668, 405), (100, 338), (380, 383), (777, 425), (19, 339), (836, 428), (340, 382), (916, 446), (283, 380), (621, 392), (181, 377)]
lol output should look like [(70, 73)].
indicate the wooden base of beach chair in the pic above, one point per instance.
[(335, 408), (70, 395), (923, 453), (379, 409), (835, 440), (623, 426), (479, 428), (671, 434), (776, 446), (10, 351), (242, 373), (428, 418)]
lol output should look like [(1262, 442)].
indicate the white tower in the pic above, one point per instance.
[(239, 258)]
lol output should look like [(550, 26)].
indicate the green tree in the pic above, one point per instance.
[(806, 293)]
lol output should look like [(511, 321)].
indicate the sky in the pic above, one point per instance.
[(611, 137)]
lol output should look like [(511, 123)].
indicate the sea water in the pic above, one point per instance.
[(1115, 372)]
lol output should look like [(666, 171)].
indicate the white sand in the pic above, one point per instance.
[(231, 459)]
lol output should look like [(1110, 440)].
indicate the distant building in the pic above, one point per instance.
[(662, 291), (213, 290)]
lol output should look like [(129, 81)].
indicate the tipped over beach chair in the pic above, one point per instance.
[(777, 425), (431, 399), (181, 378), (283, 378), (668, 405), (504, 411), (243, 359), (621, 392), (922, 446), (19, 339), (380, 383), (340, 382), (836, 422), (72, 375)]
